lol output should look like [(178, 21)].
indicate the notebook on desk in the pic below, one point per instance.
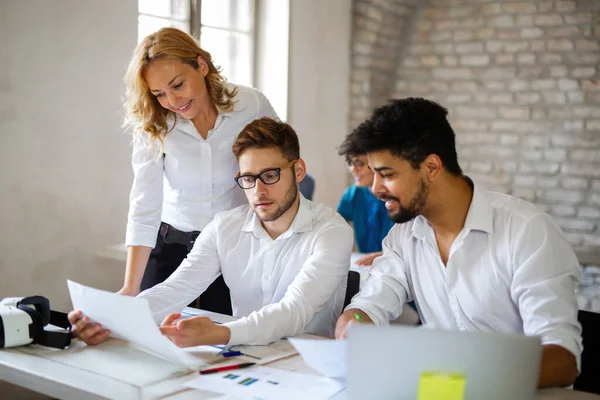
[(399, 362)]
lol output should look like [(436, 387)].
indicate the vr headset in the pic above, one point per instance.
[(22, 321)]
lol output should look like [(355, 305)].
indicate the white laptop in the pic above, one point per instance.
[(388, 362)]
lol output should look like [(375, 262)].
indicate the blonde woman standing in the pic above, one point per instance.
[(185, 118)]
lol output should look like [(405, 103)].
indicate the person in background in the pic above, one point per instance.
[(284, 257), (366, 212), (184, 116), (471, 259)]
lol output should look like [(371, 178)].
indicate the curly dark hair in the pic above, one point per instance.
[(410, 128)]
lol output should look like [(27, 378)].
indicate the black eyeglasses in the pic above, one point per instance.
[(357, 162), (268, 177)]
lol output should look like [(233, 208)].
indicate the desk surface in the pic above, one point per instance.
[(36, 370)]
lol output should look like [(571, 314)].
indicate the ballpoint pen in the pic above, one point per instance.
[(226, 368)]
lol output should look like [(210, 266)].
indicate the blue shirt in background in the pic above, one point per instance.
[(368, 215)]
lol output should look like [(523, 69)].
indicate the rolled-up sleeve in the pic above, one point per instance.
[(145, 199), (544, 281), (316, 283), (384, 293)]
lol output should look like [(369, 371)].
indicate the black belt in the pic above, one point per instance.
[(172, 235)]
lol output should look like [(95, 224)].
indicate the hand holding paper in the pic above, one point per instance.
[(195, 331)]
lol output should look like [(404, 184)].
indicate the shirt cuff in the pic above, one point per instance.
[(141, 235), (239, 332), (371, 311)]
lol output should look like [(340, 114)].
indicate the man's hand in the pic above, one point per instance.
[(367, 260), (129, 291), (195, 331), (558, 367), (89, 332), (346, 319)]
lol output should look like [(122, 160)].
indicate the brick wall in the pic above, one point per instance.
[(520, 81)]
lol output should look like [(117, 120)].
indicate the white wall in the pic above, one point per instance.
[(319, 89), (64, 161)]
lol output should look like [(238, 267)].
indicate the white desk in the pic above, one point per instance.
[(36, 370)]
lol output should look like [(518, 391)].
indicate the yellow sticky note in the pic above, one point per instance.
[(437, 386)]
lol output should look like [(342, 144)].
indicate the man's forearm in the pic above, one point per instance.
[(558, 367)]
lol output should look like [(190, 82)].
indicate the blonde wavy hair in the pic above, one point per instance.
[(143, 111)]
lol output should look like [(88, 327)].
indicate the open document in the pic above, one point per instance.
[(129, 318), (326, 356), (267, 384)]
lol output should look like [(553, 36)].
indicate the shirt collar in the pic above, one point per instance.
[(480, 216), (301, 223)]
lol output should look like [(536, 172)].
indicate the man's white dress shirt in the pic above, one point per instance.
[(509, 270), (194, 179), (279, 287)]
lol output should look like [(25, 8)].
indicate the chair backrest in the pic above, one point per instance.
[(589, 378), (307, 187), (353, 286)]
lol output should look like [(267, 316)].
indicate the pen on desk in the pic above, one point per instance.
[(358, 317), (226, 368)]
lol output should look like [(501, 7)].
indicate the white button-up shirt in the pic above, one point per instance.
[(280, 287), (194, 179), (509, 270)]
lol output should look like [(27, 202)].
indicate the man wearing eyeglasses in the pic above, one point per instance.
[(284, 258)]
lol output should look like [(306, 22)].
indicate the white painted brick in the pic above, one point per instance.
[(478, 60), (494, 85), (516, 47), (531, 72), (568, 84), (458, 98), (524, 20), (561, 196), (539, 168), (562, 211), (517, 85), (501, 21), (469, 48), (545, 5), (548, 20), (538, 45), (587, 44), (559, 45), (460, 12), (574, 140), (594, 199), (528, 98), (453, 73), (525, 194), (574, 183), (476, 112), (593, 125), (499, 73), (586, 112), (494, 46), (575, 225), (520, 113), (550, 58), (516, 126), (539, 114), (583, 72), (530, 33), (509, 167), (463, 36), (450, 61), (564, 6), (508, 139), (526, 59), (543, 84), (586, 170), (590, 85), (555, 154), (504, 59), (430, 61), (443, 48), (536, 141), (596, 185), (440, 36), (558, 71), (588, 212), (571, 126), (491, 9), (481, 98), (501, 98), (485, 33), (447, 24), (524, 180), (563, 31), (531, 155), (464, 86), (554, 98), (481, 167), (592, 59), (579, 18)]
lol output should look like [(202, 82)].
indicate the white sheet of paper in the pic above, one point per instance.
[(326, 356), (129, 318), (267, 383)]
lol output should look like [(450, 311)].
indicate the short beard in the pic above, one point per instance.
[(288, 201), (414, 209)]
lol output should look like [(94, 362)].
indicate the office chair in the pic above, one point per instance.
[(216, 298), (352, 287), (307, 187), (589, 378)]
